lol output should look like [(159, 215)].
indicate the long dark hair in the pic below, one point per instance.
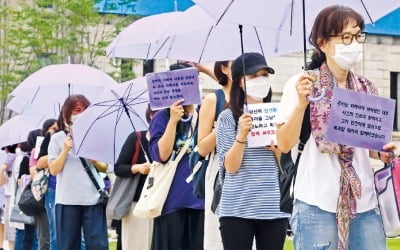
[(236, 100), (330, 22), (221, 77)]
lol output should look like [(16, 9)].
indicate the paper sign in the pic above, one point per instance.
[(360, 119), (39, 141), (167, 87), (263, 130)]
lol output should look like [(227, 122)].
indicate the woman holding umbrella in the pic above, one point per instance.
[(330, 212), (136, 233), (249, 205), (76, 197)]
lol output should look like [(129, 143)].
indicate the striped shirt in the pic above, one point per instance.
[(253, 191)]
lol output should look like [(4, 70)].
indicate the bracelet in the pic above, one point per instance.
[(379, 155), (241, 142)]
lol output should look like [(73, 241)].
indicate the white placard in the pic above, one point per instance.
[(263, 130)]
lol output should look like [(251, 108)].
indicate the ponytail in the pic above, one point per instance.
[(317, 59)]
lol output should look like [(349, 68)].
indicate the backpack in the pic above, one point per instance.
[(197, 163), (288, 168)]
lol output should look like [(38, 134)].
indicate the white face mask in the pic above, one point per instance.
[(18, 151), (347, 56), (188, 118), (74, 118), (258, 87)]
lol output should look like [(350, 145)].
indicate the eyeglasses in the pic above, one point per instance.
[(347, 38)]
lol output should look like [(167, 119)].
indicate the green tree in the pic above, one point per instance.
[(42, 32)]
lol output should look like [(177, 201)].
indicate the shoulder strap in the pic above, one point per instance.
[(187, 143), (90, 174), (220, 104), (137, 148), (304, 135)]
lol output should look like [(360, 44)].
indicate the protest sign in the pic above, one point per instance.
[(360, 119), (263, 130), (167, 87)]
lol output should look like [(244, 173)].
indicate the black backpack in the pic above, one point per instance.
[(288, 168)]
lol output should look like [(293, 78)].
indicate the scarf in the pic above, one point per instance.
[(350, 183)]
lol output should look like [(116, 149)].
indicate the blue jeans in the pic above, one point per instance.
[(20, 243), (19, 237), (51, 214), (315, 229), (71, 219)]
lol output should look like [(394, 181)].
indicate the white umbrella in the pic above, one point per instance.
[(288, 15), (45, 91), (101, 130), (136, 40), (195, 37), (16, 129)]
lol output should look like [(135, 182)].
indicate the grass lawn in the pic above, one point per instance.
[(392, 244)]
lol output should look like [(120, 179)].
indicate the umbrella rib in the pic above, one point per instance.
[(366, 10), (259, 41), (205, 43), (91, 125), (36, 93), (162, 45), (118, 118), (226, 10), (291, 17)]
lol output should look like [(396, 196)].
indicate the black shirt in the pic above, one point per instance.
[(123, 165)]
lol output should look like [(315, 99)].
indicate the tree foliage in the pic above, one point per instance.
[(41, 32)]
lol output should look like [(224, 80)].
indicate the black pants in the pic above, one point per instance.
[(29, 234), (238, 233), (180, 230)]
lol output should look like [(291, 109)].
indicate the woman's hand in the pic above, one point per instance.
[(245, 124), (274, 148), (388, 153), (143, 168), (100, 166), (68, 143), (304, 88), (176, 111)]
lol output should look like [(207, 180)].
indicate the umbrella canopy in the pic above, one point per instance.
[(45, 91), (136, 40), (101, 130), (287, 14), (16, 129), (195, 37), (291, 16)]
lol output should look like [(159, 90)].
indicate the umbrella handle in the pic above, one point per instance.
[(314, 80), (317, 98)]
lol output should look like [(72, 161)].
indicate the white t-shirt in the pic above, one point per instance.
[(74, 186), (318, 174)]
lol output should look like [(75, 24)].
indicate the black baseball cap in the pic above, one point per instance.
[(253, 62)]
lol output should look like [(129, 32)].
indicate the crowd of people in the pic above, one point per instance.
[(335, 205)]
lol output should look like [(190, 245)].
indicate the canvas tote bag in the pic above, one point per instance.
[(387, 185), (124, 190), (158, 183)]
